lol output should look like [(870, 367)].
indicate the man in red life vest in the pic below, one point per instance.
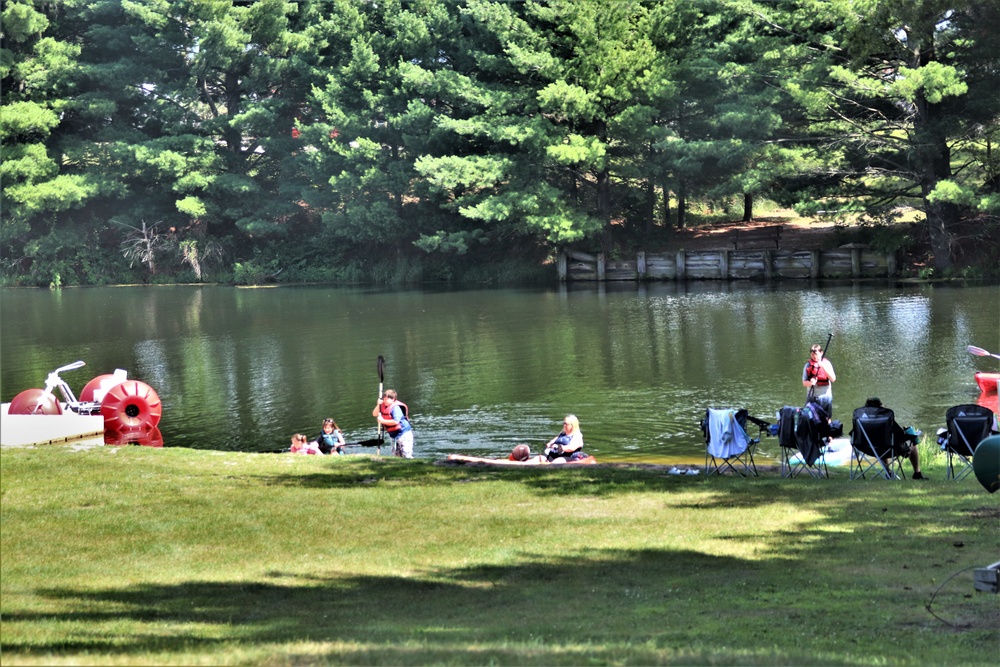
[(818, 377), (392, 414)]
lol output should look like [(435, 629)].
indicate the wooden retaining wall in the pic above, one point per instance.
[(846, 262)]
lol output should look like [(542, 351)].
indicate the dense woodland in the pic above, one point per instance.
[(389, 140)]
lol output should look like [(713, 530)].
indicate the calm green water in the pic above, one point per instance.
[(482, 370)]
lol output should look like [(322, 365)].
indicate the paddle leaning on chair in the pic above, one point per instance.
[(727, 443), (803, 431)]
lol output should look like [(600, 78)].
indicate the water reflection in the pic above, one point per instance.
[(141, 437), (483, 370), (990, 401)]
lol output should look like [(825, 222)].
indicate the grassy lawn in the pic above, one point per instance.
[(174, 556)]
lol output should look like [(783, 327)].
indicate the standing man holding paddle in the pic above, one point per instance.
[(392, 415), (818, 376)]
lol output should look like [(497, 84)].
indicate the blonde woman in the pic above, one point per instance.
[(568, 445)]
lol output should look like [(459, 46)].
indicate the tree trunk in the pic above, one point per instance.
[(650, 206), (941, 217), (747, 207), (650, 212), (604, 192), (932, 159), (666, 205), (233, 136), (933, 165), (397, 195), (681, 205), (604, 207)]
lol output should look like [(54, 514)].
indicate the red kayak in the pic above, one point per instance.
[(987, 382)]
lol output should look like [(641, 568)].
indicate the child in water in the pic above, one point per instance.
[(301, 445), (331, 440)]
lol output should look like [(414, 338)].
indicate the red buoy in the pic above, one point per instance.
[(34, 402), (130, 406)]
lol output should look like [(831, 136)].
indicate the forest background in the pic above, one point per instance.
[(393, 141)]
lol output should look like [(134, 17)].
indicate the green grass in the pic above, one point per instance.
[(140, 556)]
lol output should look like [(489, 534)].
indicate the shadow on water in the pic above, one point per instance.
[(671, 604)]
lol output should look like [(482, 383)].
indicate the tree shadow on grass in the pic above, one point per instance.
[(831, 592), (654, 606), (588, 480)]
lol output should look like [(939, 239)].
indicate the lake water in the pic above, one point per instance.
[(483, 370)]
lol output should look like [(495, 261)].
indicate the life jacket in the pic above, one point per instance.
[(386, 412), (327, 442), (816, 370)]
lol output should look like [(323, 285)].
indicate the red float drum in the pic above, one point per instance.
[(131, 406), (87, 395), (34, 402)]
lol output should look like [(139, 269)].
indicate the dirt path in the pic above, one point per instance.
[(795, 233)]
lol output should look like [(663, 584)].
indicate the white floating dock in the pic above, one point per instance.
[(21, 430)]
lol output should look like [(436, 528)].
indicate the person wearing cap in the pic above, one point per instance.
[(904, 441)]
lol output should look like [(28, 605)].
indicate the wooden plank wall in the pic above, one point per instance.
[(727, 265)]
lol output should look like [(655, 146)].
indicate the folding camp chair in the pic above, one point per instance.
[(727, 443), (875, 452), (801, 440), (968, 425)]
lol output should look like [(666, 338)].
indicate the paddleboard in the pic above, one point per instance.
[(838, 453), (534, 461)]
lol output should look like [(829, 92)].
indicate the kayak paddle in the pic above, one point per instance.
[(811, 394), (980, 352), (381, 377)]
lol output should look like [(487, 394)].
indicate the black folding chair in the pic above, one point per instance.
[(874, 448), (968, 425)]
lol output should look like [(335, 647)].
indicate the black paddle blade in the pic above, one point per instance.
[(370, 442), (381, 368)]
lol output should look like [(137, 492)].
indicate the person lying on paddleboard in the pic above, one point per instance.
[(568, 445)]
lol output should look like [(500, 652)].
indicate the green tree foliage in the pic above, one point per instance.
[(37, 79), (270, 133), (223, 88), (901, 98), (373, 118)]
